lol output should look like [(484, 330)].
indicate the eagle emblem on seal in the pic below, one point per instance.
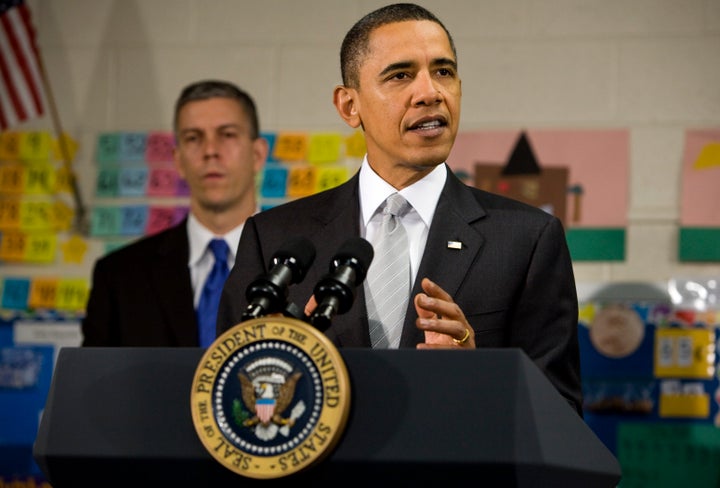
[(268, 388)]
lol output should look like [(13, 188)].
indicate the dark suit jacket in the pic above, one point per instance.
[(141, 295), (513, 277)]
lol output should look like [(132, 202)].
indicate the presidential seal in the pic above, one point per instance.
[(270, 397)]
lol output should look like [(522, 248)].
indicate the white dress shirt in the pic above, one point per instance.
[(422, 195), (201, 259)]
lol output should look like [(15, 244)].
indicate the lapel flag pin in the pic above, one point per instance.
[(454, 245)]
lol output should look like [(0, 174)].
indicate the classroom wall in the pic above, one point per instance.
[(649, 66)]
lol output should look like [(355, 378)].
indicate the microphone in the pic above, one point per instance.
[(268, 293), (335, 293)]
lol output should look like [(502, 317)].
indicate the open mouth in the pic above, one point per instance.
[(429, 124)]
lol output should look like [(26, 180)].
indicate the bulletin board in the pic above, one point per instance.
[(650, 388), (596, 194), (699, 233)]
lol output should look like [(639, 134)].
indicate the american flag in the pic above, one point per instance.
[(21, 85)]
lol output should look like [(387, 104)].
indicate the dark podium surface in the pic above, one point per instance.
[(486, 417)]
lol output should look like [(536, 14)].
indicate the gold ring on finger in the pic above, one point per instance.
[(462, 341)]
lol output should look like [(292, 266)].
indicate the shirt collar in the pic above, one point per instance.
[(200, 236), (423, 195)]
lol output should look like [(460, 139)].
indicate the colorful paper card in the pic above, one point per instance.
[(40, 247), (270, 137), (35, 146), (274, 181), (163, 182), (72, 294), (12, 178), (291, 146), (15, 293), (159, 219), (132, 147), (9, 213), (324, 148), (159, 147), (43, 293), (107, 150), (74, 249), (133, 181), (40, 178), (36, 215), (108, 182), (133, 220), (10, 146), (64, 148), (330, 177), (12, 246), (684, 352), (105, 221), (301, 181)]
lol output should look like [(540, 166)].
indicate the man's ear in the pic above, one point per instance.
[(345, 100), (177, 162)]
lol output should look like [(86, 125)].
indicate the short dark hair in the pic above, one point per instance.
[(206, 89), (355, 45)]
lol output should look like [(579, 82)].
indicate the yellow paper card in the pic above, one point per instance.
[(74, 249), (324, 148), (72, 294), (40, 178), (35, 215), (330, 177), (35, 146), (684, 353), (71, 147), (40, 247), (61, 216)]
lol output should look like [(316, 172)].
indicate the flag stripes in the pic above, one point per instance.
[(20, 77)]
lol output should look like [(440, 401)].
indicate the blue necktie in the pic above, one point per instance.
[(210, 297)]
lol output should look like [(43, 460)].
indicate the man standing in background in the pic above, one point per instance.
[(158, 291)]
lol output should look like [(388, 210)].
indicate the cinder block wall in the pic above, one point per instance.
[(650, 66)]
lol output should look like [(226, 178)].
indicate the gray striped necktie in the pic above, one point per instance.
[(387, 287)]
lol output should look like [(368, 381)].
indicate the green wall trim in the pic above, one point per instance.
[(699, 244), (596, 244)]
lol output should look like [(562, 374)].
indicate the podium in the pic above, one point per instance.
[(489, 417)]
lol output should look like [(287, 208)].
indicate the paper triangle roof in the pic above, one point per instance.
[(522, 160)]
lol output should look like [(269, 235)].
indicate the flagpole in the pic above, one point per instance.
[(81, 225)]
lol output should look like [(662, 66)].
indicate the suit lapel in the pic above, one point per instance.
[(172, 278), (452, 246), (336, 228)]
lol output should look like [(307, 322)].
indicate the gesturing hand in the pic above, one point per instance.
[(442, 320)]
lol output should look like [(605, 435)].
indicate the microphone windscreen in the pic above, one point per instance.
[(358, 251), (298, 253)]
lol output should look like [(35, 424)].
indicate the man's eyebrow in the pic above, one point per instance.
[(445, 62), (220, 127), (401, 65)]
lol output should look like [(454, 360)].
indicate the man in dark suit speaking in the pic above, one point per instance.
[(482, 270), (150, 293)]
